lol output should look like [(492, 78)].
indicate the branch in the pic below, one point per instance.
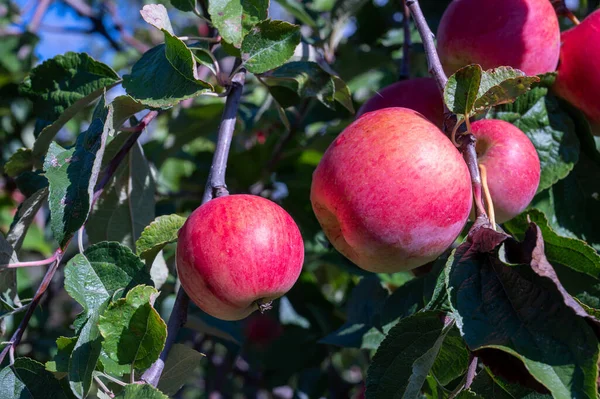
[(405, 66), (18, 334), (215, 187), (466, 139), (40, 11), (563, 11)]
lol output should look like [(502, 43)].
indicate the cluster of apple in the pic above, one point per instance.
[(392, 192)]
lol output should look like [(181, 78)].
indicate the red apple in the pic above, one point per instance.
[(391, 192), (420, 94), (512, 165), (237, 252), (523, 34), (578, 79)]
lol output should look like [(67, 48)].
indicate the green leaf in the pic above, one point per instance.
[(24, 217), (19, 162), (405, 357), (28, 379), (162, 231), (342, 94), (8, 277), (60, 364), (461, 90), (184, 5), (549, 128), (104, 271), (298, 10), (269, 45), (72, 175), (85, 354), (140, 391), (570, 252), (493, 302), (124, 107), (502, 85), (180, 364), (165, 75), (452, 360), (127, 203), (234, 18), (488, 385), (62, 81), (132, 329), (156, 15)]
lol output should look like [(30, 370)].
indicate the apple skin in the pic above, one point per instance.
[(391, 192), (419, 94), (512, 165), (578, 79), (523, 34), (236, 250)]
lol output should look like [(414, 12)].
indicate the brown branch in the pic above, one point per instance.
[(215, 187), (40, 11), (466, 140), (563, 11)]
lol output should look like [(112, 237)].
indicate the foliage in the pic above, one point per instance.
[(101, 164)]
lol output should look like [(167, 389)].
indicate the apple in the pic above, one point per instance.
[(236, 253), (578, 79), (419, 94), (523, 34), (512, 165), (391, 192)]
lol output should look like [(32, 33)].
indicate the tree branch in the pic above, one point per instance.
[(40, 11), (466, 140), (405, 65), (215, 187)]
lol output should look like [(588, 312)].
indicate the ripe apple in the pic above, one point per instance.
[(391, 192), (237, 252), (512, 165), (523, 34), (419, 94), (578, 79)]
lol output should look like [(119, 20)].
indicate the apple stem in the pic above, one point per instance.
[(467, 140), (264, 306), (215, 187), (488, 197)]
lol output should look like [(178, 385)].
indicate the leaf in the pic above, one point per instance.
[(24, 217), (165, 75), (132, 329), (72, 175), (364, 304), (124, 107), (127, 203), (409, 351), (184, 5), (342, 94), (502, 85), (104, 271), (27, 379), (21, 161), (234, 18), (492, 303), (162, 231), (549, 128), (452, 360), (60, 364), (269, 45), (405, 301), (298, 10), (8, 278), (488, 385), (156, 15), (62, 81), (140, 391), (570, 252), (461, 90), (85, 354), (181, 362)]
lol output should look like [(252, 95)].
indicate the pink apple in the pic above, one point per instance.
[(512, 165), (420, 94), (523, 34), (578, 79), (391, 192), (237, 252)]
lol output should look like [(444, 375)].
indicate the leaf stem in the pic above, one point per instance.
[(103, 387), (215, 187), (18, 334), (42, 262)]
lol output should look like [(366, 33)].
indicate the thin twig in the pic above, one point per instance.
[(405, 65), (42, 262), (215, 187), (466, 140), (40, 11), (471, 371), (103, 387), (18, 334)]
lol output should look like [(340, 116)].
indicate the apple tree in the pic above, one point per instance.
[(300, 199)]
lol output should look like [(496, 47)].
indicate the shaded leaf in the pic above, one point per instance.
[(269, 45), (24, 217), (461, 90), (60, 364), (452, 360), (85, 354), (184, 5), (179, 366), (22, 160), (156, 235), (28, 379)]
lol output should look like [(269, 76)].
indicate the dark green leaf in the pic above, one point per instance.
[(63, 81), (409, 351), (140, 391), (461, 90), (490, 386), (235, 18), (85, 354), (184, 5), (27, 379), (60, 364), (24, 216), (180, 364), (156, 235), (452, 360), (132, 329), (269, 45), (19, 162), (72, 175), (298, 10)]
